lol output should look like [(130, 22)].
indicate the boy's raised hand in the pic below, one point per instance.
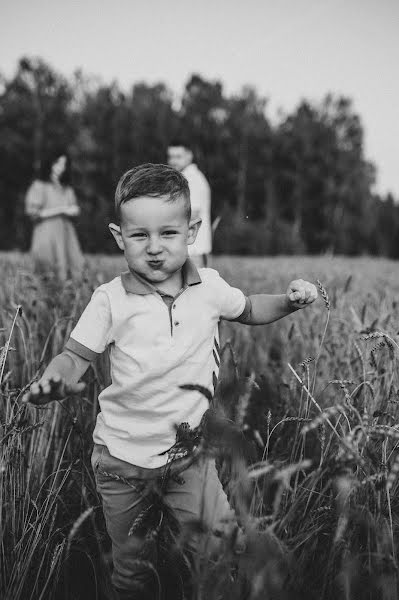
[(50, 389), (300, 293)]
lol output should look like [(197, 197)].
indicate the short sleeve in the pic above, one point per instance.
[(34, 199), (92, 333), (232, 300)]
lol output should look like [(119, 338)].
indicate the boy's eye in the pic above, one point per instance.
[(138, 235), (170, 232)]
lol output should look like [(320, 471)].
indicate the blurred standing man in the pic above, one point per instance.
[(180, 157)]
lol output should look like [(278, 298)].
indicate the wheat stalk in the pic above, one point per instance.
[(4, 351), (324, 294)]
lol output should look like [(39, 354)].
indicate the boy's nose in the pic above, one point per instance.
[(154, 246)]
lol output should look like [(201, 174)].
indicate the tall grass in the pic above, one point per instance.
[(310, 442)]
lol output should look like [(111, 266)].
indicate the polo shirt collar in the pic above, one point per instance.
[(135, 284)]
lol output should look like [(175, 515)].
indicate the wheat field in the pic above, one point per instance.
[(308, 450)]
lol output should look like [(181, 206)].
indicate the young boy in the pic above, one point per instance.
[(160, 321)]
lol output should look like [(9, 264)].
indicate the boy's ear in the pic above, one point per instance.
[(193, 228), (116, 232)]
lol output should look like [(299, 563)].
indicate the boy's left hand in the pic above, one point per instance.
[(300, 293)]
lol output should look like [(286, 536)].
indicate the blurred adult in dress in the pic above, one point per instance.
[(51, 204), (180, 157)]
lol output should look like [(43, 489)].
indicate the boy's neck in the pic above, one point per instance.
[(171, 286)]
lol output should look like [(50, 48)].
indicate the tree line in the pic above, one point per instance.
[(302, 185)]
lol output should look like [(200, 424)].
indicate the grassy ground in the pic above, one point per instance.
[(314, 399)]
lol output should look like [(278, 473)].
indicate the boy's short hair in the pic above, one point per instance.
[(153, 180)]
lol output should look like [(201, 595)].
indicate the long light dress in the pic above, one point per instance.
[(55, 245)]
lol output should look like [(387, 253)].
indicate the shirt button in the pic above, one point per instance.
[(176, 323), (174, 306)]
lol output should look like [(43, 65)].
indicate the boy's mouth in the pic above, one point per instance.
[(155, 264)]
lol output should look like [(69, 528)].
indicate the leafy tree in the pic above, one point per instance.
[(301, 185), (34, 119), (323, 180)]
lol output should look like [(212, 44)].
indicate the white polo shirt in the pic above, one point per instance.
[(155, 345)]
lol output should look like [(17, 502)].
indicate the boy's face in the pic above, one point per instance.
[(154, 235)]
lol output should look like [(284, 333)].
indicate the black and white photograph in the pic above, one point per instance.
[(199, 300)]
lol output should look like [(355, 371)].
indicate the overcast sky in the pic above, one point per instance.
[(287, 49)]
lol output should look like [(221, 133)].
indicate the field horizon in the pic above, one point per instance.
[(313, 399)]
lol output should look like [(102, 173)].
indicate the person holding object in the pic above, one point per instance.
[(51, 204), (180, 157), (159, 320)]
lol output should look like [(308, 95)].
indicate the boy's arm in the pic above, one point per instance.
[(60, 379), (261, 309)]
